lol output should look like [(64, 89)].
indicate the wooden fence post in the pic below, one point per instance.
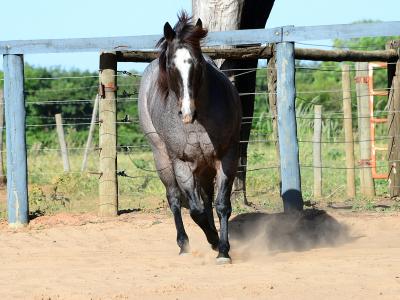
[(394, 134), (367, 182), (393, 71), (108, 185), (63, 144), (2, 176), (287, 128), (317, 160), (17, 187), (348, 131), (91, 130), (391, 67), (272, 77)]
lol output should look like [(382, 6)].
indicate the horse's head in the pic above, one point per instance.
[(181, 64)]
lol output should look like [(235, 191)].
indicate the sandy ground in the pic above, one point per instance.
[(312, 256)]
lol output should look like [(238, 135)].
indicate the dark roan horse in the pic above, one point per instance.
[(190, 113)]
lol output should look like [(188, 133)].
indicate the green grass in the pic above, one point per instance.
[(51, 190)]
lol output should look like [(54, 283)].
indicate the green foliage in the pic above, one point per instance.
[(47, 88), (365, 43)]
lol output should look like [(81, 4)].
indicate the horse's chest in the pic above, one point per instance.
[(190, 144), (187, 142), (198, 146)]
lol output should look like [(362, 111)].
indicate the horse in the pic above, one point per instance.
[(190, 113)]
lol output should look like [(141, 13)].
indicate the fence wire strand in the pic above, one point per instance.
[(129, 150)]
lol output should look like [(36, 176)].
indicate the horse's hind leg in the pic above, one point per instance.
[(198, 211), (225, 175), (202, 217), (207, 194), (213, 239)]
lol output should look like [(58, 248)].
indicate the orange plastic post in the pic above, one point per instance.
[(372, 93)]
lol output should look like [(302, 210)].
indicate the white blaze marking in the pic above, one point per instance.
[(182, 57)]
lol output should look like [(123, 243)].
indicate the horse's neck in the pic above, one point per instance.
[(203, 96)]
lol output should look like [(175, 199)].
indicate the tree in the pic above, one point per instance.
[(231, 15)]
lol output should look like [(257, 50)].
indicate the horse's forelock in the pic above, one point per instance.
[(186, 33)]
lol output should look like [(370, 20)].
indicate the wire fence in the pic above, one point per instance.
[(135, 162)]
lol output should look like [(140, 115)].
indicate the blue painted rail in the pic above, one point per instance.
[(236, 37)]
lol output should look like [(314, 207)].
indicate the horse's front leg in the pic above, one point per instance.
[(174, 197), (226, 169)]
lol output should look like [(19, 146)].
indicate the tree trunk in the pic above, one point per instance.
[(224, 15)]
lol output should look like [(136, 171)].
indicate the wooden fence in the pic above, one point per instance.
[(284, 38)]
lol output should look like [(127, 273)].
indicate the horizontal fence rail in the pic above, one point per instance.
[(236, 37), (266, 53)]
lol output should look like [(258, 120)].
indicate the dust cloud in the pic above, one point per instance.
[(260, 233)]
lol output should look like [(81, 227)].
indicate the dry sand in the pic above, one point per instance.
[(314, 256)]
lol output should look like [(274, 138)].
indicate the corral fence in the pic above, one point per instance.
[(280, 52)]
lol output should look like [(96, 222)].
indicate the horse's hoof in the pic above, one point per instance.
[(223, 260), (184, 251)]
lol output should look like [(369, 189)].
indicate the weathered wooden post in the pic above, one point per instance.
[(108, 185), (391, 67), (287, 128), (272, 77), (91, 130), (348, 132), (394, 135), (366, 180), (2, 176), (317, 160), (393, 70), (17, 188), (63, 144)]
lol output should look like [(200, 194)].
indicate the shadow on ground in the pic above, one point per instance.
[(282, 232), (128, 211)]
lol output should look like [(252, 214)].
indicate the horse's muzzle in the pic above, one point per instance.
[(188, 118)]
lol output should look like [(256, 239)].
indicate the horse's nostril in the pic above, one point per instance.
[(180, 113)]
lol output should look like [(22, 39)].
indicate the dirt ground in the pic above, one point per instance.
[(315, 255)]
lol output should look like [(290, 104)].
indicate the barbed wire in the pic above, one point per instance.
[(54, 124), (257, 93), (77, 101), (247, 70), (300, 115), (52, 90), (126, 148), (129, 149), (64, 118)]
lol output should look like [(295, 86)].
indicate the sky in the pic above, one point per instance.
[(43, 19)]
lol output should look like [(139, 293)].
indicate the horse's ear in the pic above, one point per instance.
[(169, 33), (199, 23)]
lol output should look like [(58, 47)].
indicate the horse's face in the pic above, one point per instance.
[(184, 72)]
